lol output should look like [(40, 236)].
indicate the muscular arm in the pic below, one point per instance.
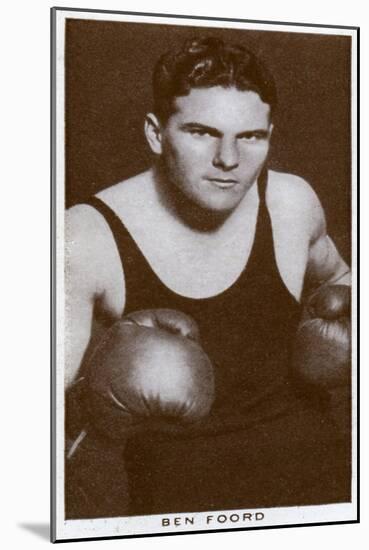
[(92, 272), (81, 290), (325, 264)]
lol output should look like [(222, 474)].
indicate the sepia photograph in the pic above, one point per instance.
[(205, 213)]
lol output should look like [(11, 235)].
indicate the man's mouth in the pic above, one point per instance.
[(223, 183)]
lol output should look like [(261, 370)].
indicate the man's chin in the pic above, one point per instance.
[(218, 207), (206, 215)]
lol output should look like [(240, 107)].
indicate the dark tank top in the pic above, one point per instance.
[(247, 330), (261, 445)]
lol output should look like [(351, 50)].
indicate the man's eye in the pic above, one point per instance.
[(200, 132), (254, 137)]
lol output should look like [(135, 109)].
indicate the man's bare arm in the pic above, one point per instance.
[(325, 264), (80, 292), (93, 276)]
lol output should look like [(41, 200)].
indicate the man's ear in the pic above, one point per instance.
[(271, 127), (153, 133)]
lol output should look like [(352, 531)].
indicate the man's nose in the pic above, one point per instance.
[(226, 155)]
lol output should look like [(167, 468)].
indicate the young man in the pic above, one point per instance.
[(210, 231)]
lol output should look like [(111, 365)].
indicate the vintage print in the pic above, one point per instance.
[(205, 191)]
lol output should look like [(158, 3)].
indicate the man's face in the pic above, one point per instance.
[(215, 144)]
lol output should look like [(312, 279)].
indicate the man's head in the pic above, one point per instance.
[(211, 123)]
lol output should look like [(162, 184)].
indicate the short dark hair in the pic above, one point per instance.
[(204, 63)]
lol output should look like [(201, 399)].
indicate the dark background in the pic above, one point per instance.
[(108, 92)]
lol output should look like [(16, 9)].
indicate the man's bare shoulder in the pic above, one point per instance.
[(131, 193), (85, 222), (293, 198), (85, 227), (283, 185)]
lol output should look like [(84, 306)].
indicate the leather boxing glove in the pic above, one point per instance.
[(149, 367), (322, 350)]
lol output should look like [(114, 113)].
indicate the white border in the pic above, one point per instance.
[(187, 20), (207, 521), (60, 266), (109, 527), (354, 189)]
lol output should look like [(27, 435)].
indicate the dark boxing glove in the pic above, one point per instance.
[(149, 366), (322, 349)]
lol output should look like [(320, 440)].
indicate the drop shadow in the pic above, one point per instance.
[(40, 529)]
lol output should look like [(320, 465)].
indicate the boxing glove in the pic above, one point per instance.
[(149, 366), (322, 351)]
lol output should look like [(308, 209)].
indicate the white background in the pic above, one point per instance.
[(24, 230)]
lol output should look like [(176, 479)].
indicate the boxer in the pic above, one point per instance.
[(206, 231)]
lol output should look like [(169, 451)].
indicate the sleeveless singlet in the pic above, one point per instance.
[(246, 330), (261, 444)]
